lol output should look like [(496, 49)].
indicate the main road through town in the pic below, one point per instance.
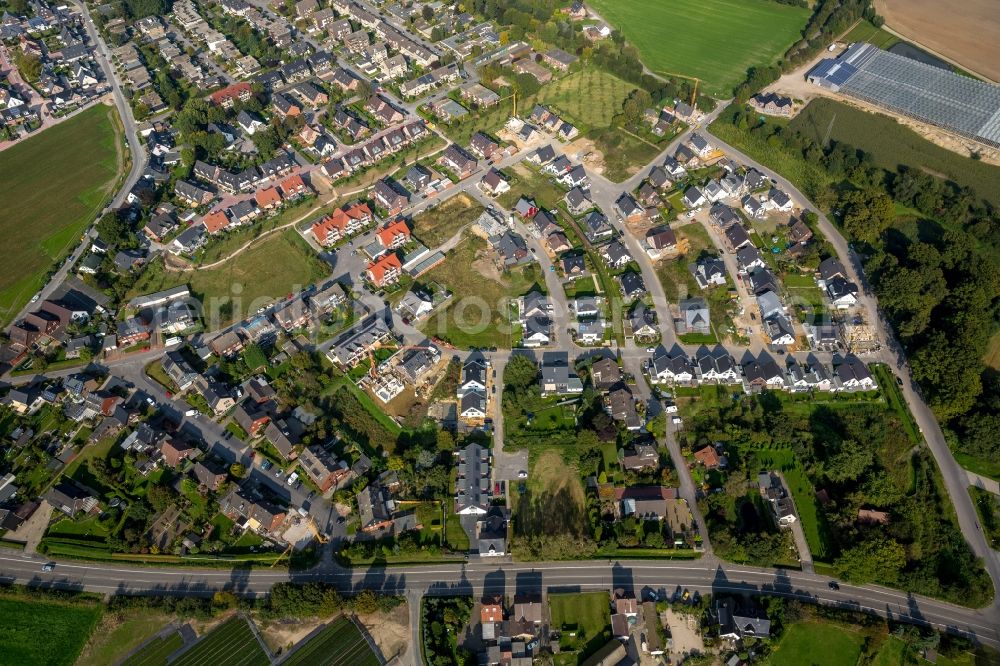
[(484, 575)]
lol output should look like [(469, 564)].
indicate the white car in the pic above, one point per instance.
[(522, 474), (292, 478)]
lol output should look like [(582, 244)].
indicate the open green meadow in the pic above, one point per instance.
[(819, 644), (892, 145), (436, 225), (340, 643), (51, 187), (44, 632), (478, 311), (268, 271), (232, 642), (589, 98), (714, 40)]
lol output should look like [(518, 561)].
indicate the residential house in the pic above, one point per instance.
[(389, 195), (472, 486), (694, 317), (605, 373), (558, 377), (671, 367), (458, 160), (385, 270), (323, 467), (710, 271)]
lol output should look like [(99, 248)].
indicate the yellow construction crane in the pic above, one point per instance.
[(514, 95), (311, 524), (694, 93), (322, 538)]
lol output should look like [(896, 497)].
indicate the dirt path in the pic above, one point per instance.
[(967, 35), (333, 196)]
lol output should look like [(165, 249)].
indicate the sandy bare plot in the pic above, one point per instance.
[(390, 631), (281, 636), (967, 32), (686, 637)]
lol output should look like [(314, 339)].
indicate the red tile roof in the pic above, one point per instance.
[(234, 91), (292, 185), (389, 233), (378, 269), (492, 613), (340, 218), (707, 457), (215, 221), (267, 197)]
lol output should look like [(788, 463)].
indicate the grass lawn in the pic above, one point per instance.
[(489, 120), (992, 357), (865, 31), (588, 615), (804, 496), (804, 293), (892, 144), (340, 643), (589, 98), (477, 313), (715, 40), (819, 644), (894, 398), (531, 184), (988, 508), (232, 642), (281, 264), (437, 225), (554, 417), (45, 632), (137, 627), (989, 468), (553, 501), (51, 187), (624, 154), (454, 535)]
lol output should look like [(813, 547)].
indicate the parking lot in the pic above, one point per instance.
[(507, 465)]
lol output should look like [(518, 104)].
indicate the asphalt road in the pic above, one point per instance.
[(483, 576)]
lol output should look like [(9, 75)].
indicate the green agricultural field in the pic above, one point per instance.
[(51, 187), (589, 98), (478, 312), (819, 644), (64, 626), (892, 145), (340, 643), (715, 40), (268, 271), (156, 651), (231, 643)]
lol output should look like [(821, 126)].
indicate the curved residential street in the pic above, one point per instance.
[(486, 575)]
